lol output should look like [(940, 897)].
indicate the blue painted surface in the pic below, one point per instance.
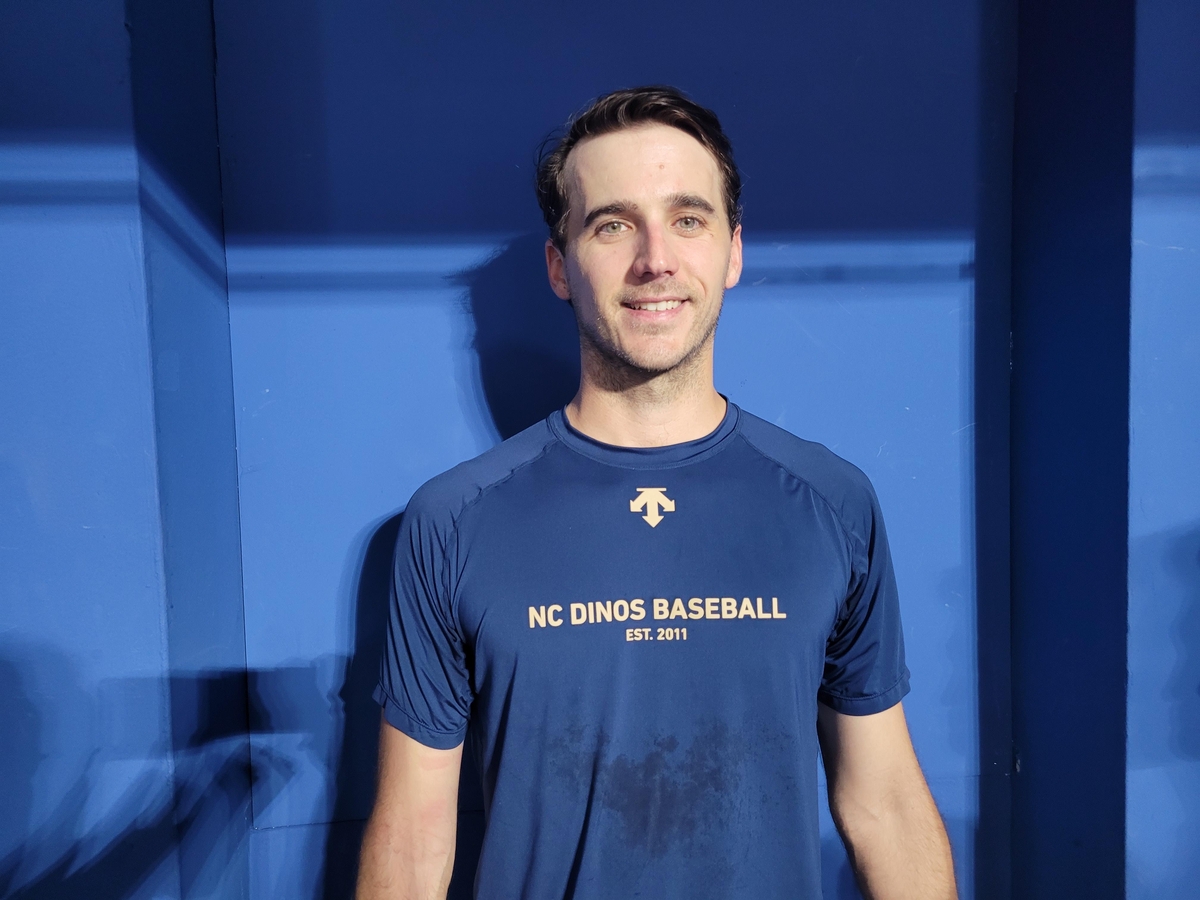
[(419, 120), (1070, 370), (1163, 813), (390, 317), (65, 69), (123, 661), (88, 807), (878, 369), (992, 351), (1163, 779), (870, 350), (171, 66)]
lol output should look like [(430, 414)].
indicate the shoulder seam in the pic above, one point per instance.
[(505, 477), (837, 517)]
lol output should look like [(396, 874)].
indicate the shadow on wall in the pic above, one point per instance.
[(354, 783), (1183, 561), (1177, 553), (528, 349), (528, 356), (525, 337), (1164, 729), (1165, 589), (94, 846), (21, 758)]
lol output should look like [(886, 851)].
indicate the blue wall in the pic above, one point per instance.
[(380, 118), (171, 65), (1163, 786), (390, 317), (226, 371), (324, 459), (89, 778), (82, 651), (122, 650)]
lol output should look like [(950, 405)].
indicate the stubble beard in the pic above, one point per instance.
[(612, 368)]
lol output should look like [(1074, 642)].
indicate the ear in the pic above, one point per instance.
[(556, 270), (733, 271)]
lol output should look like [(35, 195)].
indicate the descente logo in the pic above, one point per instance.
[(652, 499), (595, 611)]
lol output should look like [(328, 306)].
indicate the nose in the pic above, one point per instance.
[(656, 255)]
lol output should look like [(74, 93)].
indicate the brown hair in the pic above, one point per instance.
[(627, 109)]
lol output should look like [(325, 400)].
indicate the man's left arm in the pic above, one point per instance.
[(882, 807)]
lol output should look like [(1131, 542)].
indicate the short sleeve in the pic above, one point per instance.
[(864, 654), (424, 685)]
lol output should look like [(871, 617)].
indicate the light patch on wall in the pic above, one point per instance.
[(1163, 752)]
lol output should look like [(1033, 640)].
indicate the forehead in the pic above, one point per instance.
[(641, 162)]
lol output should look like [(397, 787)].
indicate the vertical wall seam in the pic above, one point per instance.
[(232, 398)]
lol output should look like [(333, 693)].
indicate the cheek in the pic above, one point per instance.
[(596, 274), (576, 280), (709, 265), (580, 289)]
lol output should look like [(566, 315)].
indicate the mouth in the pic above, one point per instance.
[(658, 304)]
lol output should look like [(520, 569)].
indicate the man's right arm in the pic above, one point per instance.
[(408, 847)]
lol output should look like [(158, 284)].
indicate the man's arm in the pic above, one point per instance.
[(408, 848), (882, 807)]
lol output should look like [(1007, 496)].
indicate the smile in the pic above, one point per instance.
[(655, 305)]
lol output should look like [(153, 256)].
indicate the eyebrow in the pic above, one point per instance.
[(618, 208), (680, 200), (690, 201)]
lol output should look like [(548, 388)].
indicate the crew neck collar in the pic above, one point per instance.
[(665, 457)]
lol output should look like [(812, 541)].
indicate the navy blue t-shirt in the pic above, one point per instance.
[(639, 638)]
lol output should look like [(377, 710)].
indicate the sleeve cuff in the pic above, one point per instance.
[(403, 722), (866, 706)]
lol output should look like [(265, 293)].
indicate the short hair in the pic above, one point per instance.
[(623, 109)]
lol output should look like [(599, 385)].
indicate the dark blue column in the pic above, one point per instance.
[(1070, 383), (993, 294)]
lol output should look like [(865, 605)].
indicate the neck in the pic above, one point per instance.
[(630, 409)]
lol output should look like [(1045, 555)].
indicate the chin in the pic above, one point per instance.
[(658, 363), (648, 358)]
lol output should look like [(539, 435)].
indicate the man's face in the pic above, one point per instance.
[(649, 250)]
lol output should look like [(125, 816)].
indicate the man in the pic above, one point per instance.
[(651, 604)]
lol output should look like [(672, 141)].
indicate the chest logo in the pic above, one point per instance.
[(654, 501)]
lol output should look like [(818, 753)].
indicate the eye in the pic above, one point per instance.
[(613, 227), (689, 223)]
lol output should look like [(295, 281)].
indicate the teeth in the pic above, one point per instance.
[(658, 305)]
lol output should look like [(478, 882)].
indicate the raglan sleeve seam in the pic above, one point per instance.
[(449, 580), (847, 538)]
